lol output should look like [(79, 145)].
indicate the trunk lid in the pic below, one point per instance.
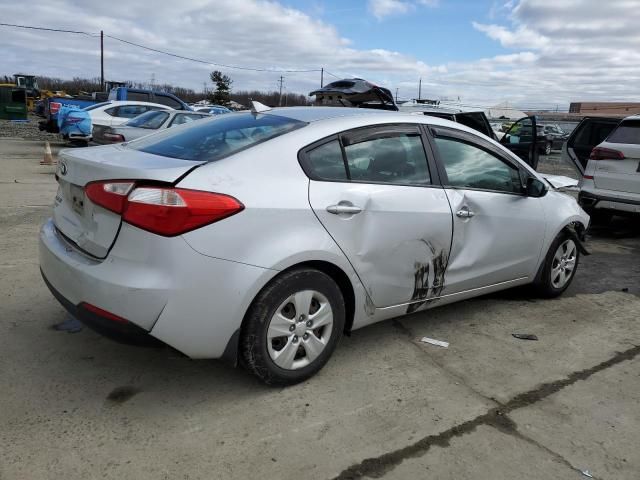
[(616, 174), (91, 227), (589, 133)]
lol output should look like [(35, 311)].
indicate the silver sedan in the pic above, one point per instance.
[(262, 237)]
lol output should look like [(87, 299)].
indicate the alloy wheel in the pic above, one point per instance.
[(564, 263), (300, 330)]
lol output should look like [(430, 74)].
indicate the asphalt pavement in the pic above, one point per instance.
[(490, 406)]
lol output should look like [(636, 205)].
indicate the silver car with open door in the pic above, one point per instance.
[(262, 237)]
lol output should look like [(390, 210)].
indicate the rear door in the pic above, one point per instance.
[(589, 133), (376, 192), (620, 172), (520, 139)]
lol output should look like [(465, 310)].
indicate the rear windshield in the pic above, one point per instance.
[(627, 132), (153, 120), (219, 137)]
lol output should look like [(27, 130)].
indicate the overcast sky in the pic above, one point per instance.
[(530, 52)]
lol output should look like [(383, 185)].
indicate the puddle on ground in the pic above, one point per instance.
[(70, 325), (122, 394)]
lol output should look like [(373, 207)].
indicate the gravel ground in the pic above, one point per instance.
[(28, 130)]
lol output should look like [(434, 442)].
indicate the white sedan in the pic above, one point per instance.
[(261, 237), (121, 111)]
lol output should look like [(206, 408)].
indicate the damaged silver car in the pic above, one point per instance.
[(262, 237)]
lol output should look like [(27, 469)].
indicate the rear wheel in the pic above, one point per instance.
[(292, 327), (547, 148), (559, 266)]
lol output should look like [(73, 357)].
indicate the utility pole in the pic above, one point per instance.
[(396, 95), (322, 77), (280, 97), (102, 60), (420, 89)]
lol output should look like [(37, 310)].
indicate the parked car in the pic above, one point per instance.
[(356, 92), (606, 152), (550, 137), (148, 122), (517, 136), (51, 106), (179, 235), (213, 109), (107, 114)]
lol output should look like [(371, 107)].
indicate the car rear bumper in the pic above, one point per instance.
[(160, 286), (609, 200)]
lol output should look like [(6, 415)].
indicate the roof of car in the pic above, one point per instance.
[(137, 102), (313, 114)]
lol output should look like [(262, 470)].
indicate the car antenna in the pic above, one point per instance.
[(257, 107)]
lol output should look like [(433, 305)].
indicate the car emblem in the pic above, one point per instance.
[(63, 168)]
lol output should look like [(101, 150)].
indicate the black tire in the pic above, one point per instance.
[(544, 284), (254, 352), (600, 217), (547, 149)]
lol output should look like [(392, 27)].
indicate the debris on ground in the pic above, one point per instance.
[(625, 289), (587, 473), (433, 341), (70, 325), (525, 336)]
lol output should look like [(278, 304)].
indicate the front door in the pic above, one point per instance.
[(497, 230), (522, 141), (374, 191)]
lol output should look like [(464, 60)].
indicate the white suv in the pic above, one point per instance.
[(610, 172)]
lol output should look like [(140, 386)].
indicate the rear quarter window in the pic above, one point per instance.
[(627, 132)]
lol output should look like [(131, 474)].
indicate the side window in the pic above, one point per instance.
[(184, 118), (469, 166), (168, 101), (325, 162), (398, 159), (113, 111), (130, 111), (137, 96)]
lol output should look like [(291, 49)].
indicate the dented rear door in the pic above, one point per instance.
[(383, 211)]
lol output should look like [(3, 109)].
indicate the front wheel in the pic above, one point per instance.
[(547, 148), (559, 266), (292, 327)]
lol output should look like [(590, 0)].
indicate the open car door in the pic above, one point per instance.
[(521, 139), (589, 133)]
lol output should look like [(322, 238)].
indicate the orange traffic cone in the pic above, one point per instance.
[(48, 157)]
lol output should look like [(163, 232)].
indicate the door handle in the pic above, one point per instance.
[(464, 212), (342, 208)]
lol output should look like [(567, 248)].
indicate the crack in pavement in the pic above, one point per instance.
[(401, 327), (376, 467)]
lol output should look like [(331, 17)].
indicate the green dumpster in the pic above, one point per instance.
[(13, 103)]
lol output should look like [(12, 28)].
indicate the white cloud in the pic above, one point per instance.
[(552, 51), (384, 8)]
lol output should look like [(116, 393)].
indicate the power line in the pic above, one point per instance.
[(175, 55), (206, 62), (49, 29)]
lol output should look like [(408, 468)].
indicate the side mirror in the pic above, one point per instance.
[(535, 188)]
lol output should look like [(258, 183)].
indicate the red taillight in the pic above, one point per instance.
[(113, 137), (111, 195), (54, 107), (103, 313), (588, 177), (174, 211), (165, 211), (600, 153)]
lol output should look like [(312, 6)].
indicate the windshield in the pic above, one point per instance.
[(152, 120), (97, 105), (210, 140)]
